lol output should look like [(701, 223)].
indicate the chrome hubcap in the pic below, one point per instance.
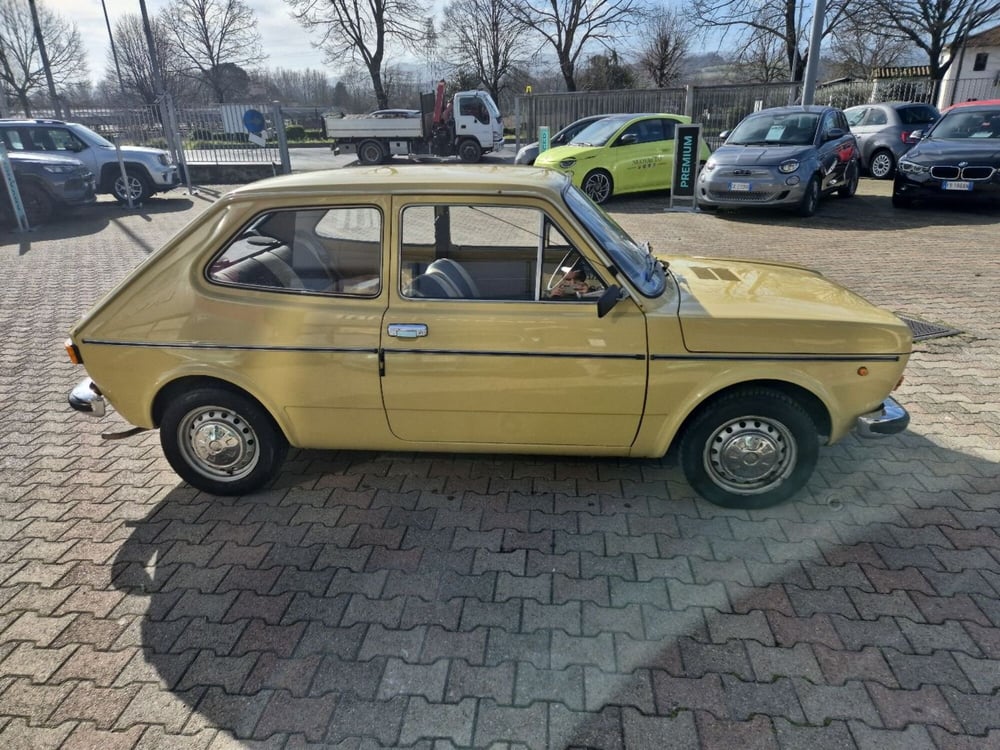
[(219, 443), (597, 188), (881, 165), (750, 455)]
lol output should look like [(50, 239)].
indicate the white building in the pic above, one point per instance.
[(975, 72)]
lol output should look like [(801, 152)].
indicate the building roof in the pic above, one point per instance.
[(988, 38)]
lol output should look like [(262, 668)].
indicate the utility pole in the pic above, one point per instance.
[(812, 62), (45, 59), (114, 51)]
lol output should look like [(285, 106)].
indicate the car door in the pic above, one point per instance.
[(835, 151), (637, 154), (481, 345)]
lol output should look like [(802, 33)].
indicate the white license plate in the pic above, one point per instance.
[(963, 185), (740, 186)]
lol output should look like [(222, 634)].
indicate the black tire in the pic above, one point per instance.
[(882, 164), (598, 185), (137, 182), (849, 188), (469, 151), (221, 441), (750, 449), (38, 205), (371, 152), (810, 199)]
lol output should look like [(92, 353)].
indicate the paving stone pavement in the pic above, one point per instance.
[(445, 601)]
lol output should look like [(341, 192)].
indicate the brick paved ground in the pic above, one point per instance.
[(452, 601)]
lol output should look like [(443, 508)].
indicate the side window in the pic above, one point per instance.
[(12, 139), (855, 116), (472, 106), (63, 140), (876, 117), (669, 126), (496, 253), (829, 122), (324, 251)]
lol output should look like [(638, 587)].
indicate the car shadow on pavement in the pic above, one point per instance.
[(403, 598), (835, 213)]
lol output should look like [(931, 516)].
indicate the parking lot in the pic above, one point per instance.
[(437, 600)]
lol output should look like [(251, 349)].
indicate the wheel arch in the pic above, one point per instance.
[(190, 382), (814, 406)]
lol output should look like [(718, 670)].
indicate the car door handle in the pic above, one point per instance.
[(407, 330)]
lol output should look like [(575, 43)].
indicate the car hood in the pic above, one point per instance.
[(956, 150), (745, 156), (770, 308), (37, 158), (553, 156)]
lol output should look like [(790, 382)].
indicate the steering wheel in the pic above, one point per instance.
[(563, 269)]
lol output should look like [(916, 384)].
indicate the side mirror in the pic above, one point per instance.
[(725, 134), (913, 137), (628, 139), (834, 133), (607, 301)]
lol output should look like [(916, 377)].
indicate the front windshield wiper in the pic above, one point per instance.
[(652, 262)]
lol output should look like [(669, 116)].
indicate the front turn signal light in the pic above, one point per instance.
[(73, 353)]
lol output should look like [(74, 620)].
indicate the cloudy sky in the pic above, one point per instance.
[(284, 41)]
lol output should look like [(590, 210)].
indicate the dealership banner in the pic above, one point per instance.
[(687, 146)]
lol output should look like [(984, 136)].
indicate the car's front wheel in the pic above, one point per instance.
[(849, 188), (221, 441), (882, 164), (598, 185), (810, 198), (752, 448), (135, 183), (38, 206), (470, 151)]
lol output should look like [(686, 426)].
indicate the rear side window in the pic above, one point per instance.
[(323, 251), (876, 117), (921, 115)]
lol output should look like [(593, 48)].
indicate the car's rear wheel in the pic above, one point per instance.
[(752, 448), (849, 188), (882, 164), (810, 198), (371, 152), (221, 441), (598, 185), (38, 205), (134, 182)]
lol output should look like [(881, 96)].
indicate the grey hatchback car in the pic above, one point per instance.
[(884, 132), (785, 156)]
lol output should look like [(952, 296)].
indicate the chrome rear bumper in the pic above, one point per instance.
[(87, 397), (888, 419)]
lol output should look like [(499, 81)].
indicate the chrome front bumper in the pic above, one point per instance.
[(87, 397), (888, 419)]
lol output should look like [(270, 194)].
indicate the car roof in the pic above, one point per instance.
[(984, 103), (412, 178), (795, 109)]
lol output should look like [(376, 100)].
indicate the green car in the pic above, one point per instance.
[(620, 154)]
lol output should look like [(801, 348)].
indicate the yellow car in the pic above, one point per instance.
[(484, 309), (620, 154)]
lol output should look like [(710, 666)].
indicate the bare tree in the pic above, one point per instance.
[(761, 60), (937, 27), (664, 45), (572, 26), (356, 31), (210, 37), (484, 39), (859, 47), (134, 61), (785, 20), (21, 69)]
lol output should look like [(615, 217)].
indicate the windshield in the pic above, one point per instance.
[(961, 124), (631, 258), (90, 136), (599, 133), (777, 129)]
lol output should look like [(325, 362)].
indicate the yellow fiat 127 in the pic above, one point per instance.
[(620, 154), (486, 309)]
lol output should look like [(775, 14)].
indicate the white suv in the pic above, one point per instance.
[(147, 170)]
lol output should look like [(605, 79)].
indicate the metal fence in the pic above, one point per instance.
[(718, 108)]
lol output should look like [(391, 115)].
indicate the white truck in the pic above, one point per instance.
[(467, 127)]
